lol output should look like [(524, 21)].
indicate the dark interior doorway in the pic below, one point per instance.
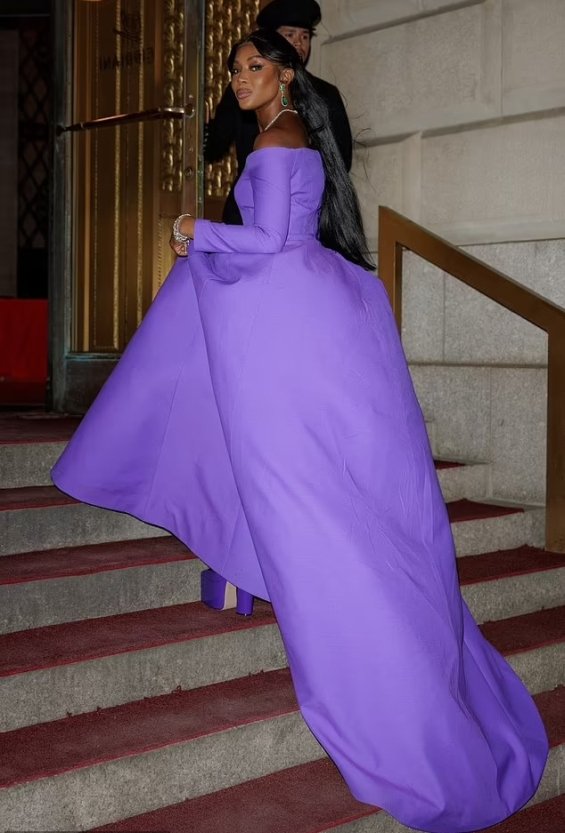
[(25, 94)]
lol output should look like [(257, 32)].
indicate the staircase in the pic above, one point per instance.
[(126, 705)]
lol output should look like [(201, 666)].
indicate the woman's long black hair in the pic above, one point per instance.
[(341, 226)]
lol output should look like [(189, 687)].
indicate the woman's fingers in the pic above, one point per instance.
[(179, 249)]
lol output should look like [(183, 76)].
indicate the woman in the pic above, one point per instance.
[(264, 414), (296, 20)]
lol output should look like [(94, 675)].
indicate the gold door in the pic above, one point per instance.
[(128, 163)]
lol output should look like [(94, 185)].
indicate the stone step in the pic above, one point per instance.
[(94, 769), (309, 798), (30, 444), (28, 454), (72, 774), (21, 427), (76, 667), (463, 480), (41, 518), (54, 586), (28, 464), (301, 799), (481, 527), (507, 583), (534, 645)]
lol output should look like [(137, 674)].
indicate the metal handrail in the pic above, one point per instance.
[(396, 233), (187, 110)]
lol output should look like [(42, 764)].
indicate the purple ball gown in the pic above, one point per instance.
[(265, 415)]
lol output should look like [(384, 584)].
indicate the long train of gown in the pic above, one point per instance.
[(264, 414)]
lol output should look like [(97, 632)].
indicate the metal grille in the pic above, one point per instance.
[(33, 105)]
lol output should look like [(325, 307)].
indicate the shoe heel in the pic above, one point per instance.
[(244, 604), (212, 589), (215, 592)]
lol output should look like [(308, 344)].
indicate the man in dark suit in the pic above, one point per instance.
[(296, 21)]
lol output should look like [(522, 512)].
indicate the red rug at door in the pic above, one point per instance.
[(23, 350)]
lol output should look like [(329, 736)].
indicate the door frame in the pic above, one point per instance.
[(75, 378)]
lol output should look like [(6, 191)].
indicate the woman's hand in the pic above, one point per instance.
[(185, 227), (180, 249)]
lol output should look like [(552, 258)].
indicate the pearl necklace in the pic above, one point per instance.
[(271, 123)]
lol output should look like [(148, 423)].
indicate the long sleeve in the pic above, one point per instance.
[(270, 172)]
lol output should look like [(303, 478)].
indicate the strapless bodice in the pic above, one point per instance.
[(307, 188)]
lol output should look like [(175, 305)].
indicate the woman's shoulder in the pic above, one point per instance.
[(278, 137), (278, 145), (269, 151)]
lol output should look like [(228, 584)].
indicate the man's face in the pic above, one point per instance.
[(299, 38)]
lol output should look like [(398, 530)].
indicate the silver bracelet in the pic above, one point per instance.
[(178, 236)]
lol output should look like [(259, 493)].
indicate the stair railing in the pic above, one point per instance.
[(397, 233)]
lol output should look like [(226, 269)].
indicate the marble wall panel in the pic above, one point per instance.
[(478, 330), (377, 175), (537, 264), (474, 329), (533, 50), (433, 72), (341, 17), (518, 434), (423, 319), (490, 414), (458, 400), (499, 182)]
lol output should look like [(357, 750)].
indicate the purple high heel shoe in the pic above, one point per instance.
[(217, 593)]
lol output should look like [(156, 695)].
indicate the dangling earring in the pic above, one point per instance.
[(284, 99)]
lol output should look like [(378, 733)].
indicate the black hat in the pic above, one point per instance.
[(303, 13)]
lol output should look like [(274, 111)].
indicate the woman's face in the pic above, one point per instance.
[(255, 80)]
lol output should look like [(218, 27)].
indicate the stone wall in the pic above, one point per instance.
[(458, 109)]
